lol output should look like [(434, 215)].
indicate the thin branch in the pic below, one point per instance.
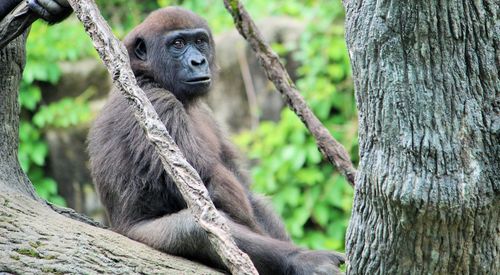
[(189, 183), (276, 72), (249, 88)]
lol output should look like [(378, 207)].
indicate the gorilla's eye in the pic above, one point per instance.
[(178, 43), (199, 41)]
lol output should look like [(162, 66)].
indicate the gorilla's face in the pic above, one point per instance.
[(180, 61)]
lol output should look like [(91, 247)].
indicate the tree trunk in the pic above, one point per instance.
[(427, 88), (12, 60), (34, 239)]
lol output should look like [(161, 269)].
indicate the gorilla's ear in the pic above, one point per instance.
[(140, 49)]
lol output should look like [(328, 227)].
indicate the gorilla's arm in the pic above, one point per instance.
[(193, 133), (177, 234)]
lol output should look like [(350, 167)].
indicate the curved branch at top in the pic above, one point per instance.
[(276, 72)]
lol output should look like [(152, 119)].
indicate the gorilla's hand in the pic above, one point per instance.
[(52, 11), (310, 262)]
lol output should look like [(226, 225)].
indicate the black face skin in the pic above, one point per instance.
[(181, 63)]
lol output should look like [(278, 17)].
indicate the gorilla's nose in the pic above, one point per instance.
[(198, 61)]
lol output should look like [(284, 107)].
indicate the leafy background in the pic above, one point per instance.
[(312, 197)]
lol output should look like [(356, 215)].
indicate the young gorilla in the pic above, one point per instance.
[(172, 56)]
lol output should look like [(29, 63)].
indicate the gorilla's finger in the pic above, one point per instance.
[(41, 11), (63, 3), (51, 6), (50, 10)]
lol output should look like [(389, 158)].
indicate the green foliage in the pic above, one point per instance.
[(314, 199), (46, 47), (63, 113)]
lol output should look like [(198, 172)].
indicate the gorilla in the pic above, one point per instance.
[(172, 57)]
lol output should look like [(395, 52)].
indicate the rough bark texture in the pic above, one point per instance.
[(333, 151), (36, 240), (427, 87), (187, 180), (12, 60)]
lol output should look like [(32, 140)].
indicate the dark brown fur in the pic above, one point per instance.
[(141, 200)]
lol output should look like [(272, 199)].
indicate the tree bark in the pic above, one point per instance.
[(12, 61), (427, 89), (36, 240)]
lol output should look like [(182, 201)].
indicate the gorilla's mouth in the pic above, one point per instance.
[(198, 80)]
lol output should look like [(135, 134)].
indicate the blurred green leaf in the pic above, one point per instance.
[(29, 97), (321, 213), (63, 113), (38, 153), (292, 195)]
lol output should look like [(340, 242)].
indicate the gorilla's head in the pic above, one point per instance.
[(173, 47)]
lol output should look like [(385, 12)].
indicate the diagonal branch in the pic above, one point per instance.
[(187, 180), (276, 72)]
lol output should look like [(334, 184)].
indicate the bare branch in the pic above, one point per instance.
[(276, 72), (189, 183), (249, 88)]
